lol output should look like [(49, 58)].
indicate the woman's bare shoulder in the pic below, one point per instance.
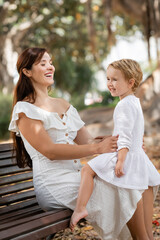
[(64, 102), (61, 102)]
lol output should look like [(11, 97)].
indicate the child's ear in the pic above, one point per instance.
[(131, 82), (27, 72)]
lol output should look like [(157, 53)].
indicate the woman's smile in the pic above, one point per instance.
[(49, 74)]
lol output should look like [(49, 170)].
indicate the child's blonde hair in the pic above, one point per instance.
[(130, 69)]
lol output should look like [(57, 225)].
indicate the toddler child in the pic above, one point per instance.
[(129, 167)]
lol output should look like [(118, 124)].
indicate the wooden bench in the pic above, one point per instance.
[(20, 215)]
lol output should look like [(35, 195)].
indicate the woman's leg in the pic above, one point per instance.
[(85, 191), (148, 210), (136, 224)]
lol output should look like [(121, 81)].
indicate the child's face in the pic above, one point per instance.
[(117, 84)]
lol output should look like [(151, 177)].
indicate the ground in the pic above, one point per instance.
[(156, 217)]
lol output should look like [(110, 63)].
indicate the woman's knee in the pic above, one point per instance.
[(86, 169)]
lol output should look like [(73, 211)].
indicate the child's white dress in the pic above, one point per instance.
[(139, 170)]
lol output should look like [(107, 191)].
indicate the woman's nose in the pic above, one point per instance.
[(51, 67)]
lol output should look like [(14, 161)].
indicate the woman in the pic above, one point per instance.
[(45, 132)]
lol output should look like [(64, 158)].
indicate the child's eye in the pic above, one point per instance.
[(42, 64)]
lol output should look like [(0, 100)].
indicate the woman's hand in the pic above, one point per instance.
[(108, 144), (101, 138)]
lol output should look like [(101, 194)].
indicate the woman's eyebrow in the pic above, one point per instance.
[(44, 60)]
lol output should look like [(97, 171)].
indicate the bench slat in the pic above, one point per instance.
[(8, 162), (13, 208), (16, 178), (6, 147), (22, 213), (15, 188), (17, 197), (45, 231), (6, 155), (12, 169), (38, 223), (20, 220)]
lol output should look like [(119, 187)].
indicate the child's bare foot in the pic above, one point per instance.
[(76, 216)]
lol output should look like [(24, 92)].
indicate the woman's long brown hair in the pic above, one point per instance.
[(24, 90)]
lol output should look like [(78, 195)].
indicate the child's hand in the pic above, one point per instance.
[(119, 169)]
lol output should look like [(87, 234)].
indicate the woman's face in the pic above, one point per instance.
[(42, 72)]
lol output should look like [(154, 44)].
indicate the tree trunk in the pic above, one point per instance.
[(9, 48), (91, 30), (8, 63), (148, 28), (6, 79), (107, 14), (157, 28)]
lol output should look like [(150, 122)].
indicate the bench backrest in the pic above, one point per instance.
[(16, 185), (20, 215)]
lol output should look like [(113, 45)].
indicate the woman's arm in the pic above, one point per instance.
[(83, 137), (34, 132)]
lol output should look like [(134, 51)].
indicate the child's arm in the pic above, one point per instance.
[(120, 162)]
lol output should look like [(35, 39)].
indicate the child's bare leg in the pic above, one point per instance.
[(136, 224), (85, 191), (148, 211)]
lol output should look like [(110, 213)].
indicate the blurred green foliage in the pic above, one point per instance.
[(75, 77), (107, 100), (5, 115)]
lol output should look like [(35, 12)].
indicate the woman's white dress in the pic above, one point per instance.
[(139, 170), (56, 182)]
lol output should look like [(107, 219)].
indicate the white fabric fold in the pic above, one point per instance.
[(124, 118), (49, 119)]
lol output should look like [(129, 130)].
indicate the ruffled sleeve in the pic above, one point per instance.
[(23, 107), (50, 120), (76, 122), (124, 120)]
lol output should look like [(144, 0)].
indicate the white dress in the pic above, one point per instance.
[(139, 170), (56, 182)]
